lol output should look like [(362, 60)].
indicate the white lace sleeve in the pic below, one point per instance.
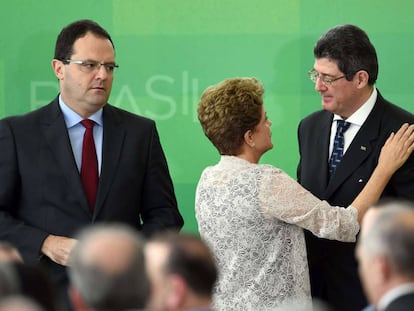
[(282, 197)]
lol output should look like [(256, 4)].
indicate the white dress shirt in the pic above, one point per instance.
[(357, 119)]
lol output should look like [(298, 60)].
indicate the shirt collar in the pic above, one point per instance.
[(359, 116), (72, 118)]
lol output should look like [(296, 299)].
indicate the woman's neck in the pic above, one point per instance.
[(248, 157)]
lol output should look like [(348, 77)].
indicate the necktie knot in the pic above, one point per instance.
[(87, 123), (342, 126)]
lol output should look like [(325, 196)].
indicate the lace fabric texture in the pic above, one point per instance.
[(252, 216)]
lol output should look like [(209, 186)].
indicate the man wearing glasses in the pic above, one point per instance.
[(80, 160), (339, 148)]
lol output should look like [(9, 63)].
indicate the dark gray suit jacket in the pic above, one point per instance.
[(41, 191), (402, 303), (333, 269)]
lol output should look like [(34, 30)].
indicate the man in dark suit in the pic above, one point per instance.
[(344, 72), (43, 200), (386, 257)]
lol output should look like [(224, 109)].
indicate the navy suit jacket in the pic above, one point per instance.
[(332, 264), (41, 191)]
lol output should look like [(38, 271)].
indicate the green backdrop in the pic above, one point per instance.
[(169, 51)]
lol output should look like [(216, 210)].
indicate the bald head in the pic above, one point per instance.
[(107, 268), (388, 230), (385, 248), (110, 249), (19, 303)]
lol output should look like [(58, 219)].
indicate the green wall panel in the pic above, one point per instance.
[(169, 51)]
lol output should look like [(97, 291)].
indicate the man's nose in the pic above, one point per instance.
[(319, 85)]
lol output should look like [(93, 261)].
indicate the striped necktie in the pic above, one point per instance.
[(338, 147)]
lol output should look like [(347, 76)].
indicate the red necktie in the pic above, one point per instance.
[(89, 165)]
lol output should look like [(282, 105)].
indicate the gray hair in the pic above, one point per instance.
[(392, 235), (109, 290), (18, 302), (9, 282)]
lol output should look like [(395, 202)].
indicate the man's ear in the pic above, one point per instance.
[(177, 292), (58, 68), (362, 78), (384, 268)]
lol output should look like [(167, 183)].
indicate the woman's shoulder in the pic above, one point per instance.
[(269, 168)]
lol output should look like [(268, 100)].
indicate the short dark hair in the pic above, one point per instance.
[(190, 258), (351, 49), (74, 31)]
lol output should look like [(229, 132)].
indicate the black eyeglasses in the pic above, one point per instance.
[(326, 80), (90, 66)]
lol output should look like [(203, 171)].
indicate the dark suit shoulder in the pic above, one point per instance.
[(315, 122), (402, 303), (46, 113), (393, 111), (121, 115), (316, 117)]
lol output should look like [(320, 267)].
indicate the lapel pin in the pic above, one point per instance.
[(363, 148), (360, 180)]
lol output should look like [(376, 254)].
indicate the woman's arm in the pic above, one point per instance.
[(283, 198)]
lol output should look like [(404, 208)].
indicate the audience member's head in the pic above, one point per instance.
[(385, 249), (9, 253), (19, 303), (182, 272), (107, 269), (35, 283), (27, 281), (9, 283)]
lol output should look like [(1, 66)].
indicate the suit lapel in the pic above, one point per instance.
[(56, 135), (322, 144), (360, 148), (113, 139)]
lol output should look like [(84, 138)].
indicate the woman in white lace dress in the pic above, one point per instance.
[(252, 215)]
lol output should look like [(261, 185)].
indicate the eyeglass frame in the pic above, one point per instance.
[(96, 66), (314, 75)]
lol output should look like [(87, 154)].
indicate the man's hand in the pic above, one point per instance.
[(58, 248)]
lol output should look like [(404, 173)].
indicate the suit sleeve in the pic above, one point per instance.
[(159, 210), (27, 239), (298, 169)]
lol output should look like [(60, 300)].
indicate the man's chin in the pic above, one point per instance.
[(98, 99), (327, 106)]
